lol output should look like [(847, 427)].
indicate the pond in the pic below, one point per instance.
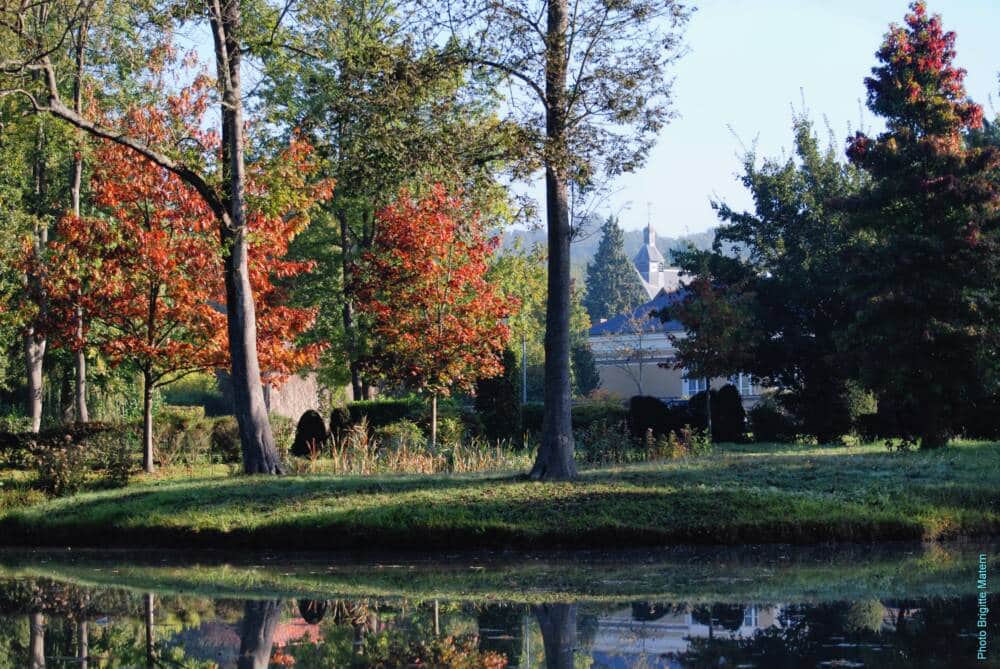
[(775, 606)]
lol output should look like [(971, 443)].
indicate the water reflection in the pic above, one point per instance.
[(49, 623)]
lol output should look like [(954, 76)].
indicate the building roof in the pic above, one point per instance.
[(648, 254), (625, 323)]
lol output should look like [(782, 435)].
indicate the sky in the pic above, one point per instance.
[(749, 63)]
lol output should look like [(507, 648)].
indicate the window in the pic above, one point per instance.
[(692, 386), (744, 384)]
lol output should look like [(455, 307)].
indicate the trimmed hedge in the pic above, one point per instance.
[(584, 415)]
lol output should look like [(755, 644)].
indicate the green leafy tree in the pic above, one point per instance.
[(793, 244), (924, 267), (716, 312), (385, 115), (613, 286), (591, 92)]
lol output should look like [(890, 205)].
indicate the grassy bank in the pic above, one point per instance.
[(740, 494)]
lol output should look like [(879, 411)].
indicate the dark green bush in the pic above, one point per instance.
[(382, 412), (340, 422), (980, 418), (180, 437), (648, 415), (310, 434), (584, 415), (729, 418), (769, 423), (728, 415), (225, 440)]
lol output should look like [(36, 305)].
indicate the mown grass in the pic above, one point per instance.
[(740, 494)]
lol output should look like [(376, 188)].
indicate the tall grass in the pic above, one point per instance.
[(359, 452)]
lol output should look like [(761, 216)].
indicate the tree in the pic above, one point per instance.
[(437, 322), (586, 378), (385, 115), (924, 267), (590, 82), (33, 32), (521, 276), (612, 283), (793, 244), (144, 272), (716, 315)]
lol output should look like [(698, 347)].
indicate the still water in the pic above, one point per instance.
[(853, 606)]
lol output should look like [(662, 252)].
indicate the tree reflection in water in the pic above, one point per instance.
[(50, 624)]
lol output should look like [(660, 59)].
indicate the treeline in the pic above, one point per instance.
[(868, 295)]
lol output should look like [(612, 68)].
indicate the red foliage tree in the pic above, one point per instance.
[(437, 323), (145, 272)]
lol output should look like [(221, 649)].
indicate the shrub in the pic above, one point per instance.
[(283, 431), (62, 470), (225, 440), (382, 412), (601, 442), (179, 438), (451, 431), (980, 419), (728, 416), (401, 435), (770, 424), (648, 415), (310, 434), (584, 414), (340, 422), (113, 453)]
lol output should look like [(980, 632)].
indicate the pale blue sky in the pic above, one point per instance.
[(749, 62)]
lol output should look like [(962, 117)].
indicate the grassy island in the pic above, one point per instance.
[(739, 494)]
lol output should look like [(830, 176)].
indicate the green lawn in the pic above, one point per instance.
[(741, 494)]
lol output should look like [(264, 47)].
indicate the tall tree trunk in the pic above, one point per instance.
[(558, 626), (36, 644), (259, 453), (34, 339), (82, 643), (555, 453), (82, 415), (260, 619), (347, 313), (147, 422)]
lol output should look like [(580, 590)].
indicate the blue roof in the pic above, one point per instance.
[(625, 323)]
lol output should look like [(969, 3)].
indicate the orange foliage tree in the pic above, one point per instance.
[(145, 270), (437, 323)]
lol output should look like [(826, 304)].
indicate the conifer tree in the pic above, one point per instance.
[(613, 286), (924, 269)]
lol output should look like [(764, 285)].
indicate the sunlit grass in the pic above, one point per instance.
[(738, 494)]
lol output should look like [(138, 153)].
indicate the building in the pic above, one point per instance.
[(635, 353), (654, 273)]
